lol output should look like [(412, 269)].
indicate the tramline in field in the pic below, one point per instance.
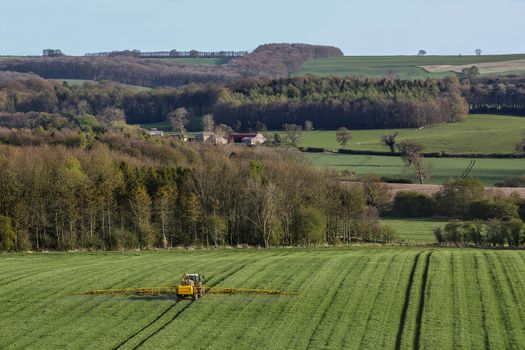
[(191, 286)]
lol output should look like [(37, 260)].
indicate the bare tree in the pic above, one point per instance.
[(208, 123), (222, 130), (421, 53), (377, 193), (293, 133), (343, 135), (308, 126), (412, 157), (179, 120), (478, 52), (266, 201), (389, 141), (111, 114)]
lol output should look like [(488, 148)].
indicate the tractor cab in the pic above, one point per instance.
[(191, 279), (191, 286)]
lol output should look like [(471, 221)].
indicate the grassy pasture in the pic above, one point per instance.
[(489, 171), (350, 298), (194, 125), (416, 231), (478, 134), (404, 67)]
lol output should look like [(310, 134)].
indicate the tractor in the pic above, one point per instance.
[(191, 287)]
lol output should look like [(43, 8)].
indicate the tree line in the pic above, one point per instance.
[(461, 198), (503, 95), (123, 190), (328, 103), (273, 60), (493, 233)]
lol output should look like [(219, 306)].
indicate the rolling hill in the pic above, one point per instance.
[(405, 67)]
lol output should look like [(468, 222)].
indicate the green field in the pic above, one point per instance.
[(404, 67), (351, 298), (194, 125), (489, 171), (414, 231), (478, 134)]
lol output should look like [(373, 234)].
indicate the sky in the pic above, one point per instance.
[(364, 27)]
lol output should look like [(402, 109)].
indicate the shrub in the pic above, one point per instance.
[(377, 193), (7, 234), (413, 205), (311, 225), (456, 196), (493, 208)]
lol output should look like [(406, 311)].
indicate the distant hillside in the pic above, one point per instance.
[(411, 67), (268, 61)]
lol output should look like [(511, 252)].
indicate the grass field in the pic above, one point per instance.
[(489, 171), (194, 125), (404, 67), (350, 298), (416, 231), (478, 134)]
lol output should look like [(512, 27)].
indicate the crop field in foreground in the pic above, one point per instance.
[(478, 134), (403, 67), (366, 298), (489, 171)]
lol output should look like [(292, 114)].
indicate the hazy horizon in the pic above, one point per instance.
[(375, 27)]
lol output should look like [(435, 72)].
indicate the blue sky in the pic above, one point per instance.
[(378, 27)]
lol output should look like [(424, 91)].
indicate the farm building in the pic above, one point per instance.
[(259, 139), (155, 132), (210, 137), (237, 137)]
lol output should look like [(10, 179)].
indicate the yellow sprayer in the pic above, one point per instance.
[(191, 287)]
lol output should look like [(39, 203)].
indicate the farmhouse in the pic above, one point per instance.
[(259, 139), (211, 138), (155, 132)]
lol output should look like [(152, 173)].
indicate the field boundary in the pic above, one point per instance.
[(426, 155)]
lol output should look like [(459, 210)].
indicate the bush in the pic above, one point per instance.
[(7, 234), (494, 233), (391, 180), (456, 196), (311, 225), (413, 205), (510, 182), (493, 208)]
